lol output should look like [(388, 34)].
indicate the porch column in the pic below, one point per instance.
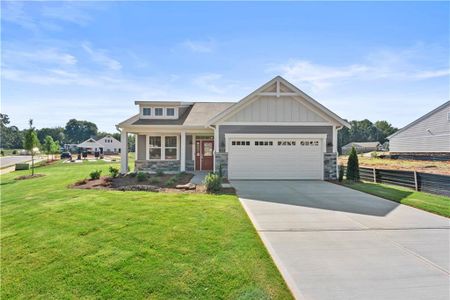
[(124, 152), (183, 151)]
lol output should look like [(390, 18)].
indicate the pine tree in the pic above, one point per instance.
[(353, 166)]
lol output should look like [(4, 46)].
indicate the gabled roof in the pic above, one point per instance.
[(420, 119), (89, 143), (278, 80)]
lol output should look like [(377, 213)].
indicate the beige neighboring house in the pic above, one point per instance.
[(361, 147), (276, 132), (428, 137)]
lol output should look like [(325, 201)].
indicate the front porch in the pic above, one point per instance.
[(170, 152)]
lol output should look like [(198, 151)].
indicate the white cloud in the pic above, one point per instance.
[(72, 12), (47, 56), (209, 82), (99, 56), (14, 12), (199, 46), (406, 65)]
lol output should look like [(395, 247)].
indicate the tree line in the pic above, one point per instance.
[(365, 131), (74, 132)]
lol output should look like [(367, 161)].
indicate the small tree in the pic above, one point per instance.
[(55, 149), (353, 166), (49, 146), (31, 143)]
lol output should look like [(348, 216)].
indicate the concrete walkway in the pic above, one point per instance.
[(331, 242)]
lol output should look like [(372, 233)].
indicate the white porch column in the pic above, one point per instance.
[(335, 139), (183, 151), (124, 152)]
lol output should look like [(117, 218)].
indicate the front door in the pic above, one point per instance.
[(204, 155), (207, 155)]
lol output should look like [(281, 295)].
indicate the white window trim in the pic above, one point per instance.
[(154, 116), (163, 146)]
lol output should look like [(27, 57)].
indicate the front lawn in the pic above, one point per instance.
[(432, 203), (69, 243)]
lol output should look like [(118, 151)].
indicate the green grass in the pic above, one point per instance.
[(68, 243), (432, 203)]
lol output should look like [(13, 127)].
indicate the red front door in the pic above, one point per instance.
[(204, 155)]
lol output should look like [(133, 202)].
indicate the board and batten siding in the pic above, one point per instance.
[(267, 129), (432, 134), (273, 109)]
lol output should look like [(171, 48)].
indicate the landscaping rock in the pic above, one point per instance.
[(139, 187), (187, 186)]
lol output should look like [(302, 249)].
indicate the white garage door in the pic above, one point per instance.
[(275, 158)]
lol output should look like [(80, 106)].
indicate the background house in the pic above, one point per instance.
[(110, 144), (361, 147), (426, 138)]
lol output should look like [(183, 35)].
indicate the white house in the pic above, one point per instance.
[(110, 144)]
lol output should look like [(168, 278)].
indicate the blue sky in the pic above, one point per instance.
[(91, 60)]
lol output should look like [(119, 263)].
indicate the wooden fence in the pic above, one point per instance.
[(425, 182)]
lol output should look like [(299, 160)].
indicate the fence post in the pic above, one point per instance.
[(374, 171), (415, 181)]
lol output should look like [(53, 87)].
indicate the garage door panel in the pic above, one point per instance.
[(299, 159)]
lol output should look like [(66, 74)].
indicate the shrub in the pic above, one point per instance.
[(212, 182), (353, 166), (341, 173), (155, 180), (141, 176), (14, 152), (374, 154), (2, 153), (113, 171), (95, 174), (172, 181), (159, 173), (133, 174)]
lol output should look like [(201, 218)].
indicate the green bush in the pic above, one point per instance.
[(95, 174), (353, 166), (14, 152), (212, 182), (2, 152), (133, 174), (141, 176), (114, 172), (159, 173), (341, 173), (172, 181), (155, 180)]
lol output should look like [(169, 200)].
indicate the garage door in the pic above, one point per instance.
[(264, 158)]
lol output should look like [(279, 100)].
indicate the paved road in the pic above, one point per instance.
[(331, 242), (12, 160)]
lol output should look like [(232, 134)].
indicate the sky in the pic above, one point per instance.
[(92, 60)]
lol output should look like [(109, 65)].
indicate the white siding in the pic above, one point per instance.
[(431, 134), (273, 109)]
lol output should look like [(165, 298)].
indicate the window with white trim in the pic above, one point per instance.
[(159, 111), (154, 147), (286, 143), (263, 143), (170, 112), (240, 143), (170, 147), (147, 111)]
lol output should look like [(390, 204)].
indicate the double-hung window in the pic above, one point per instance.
[(170, 147), (159, 111), (154, 147)]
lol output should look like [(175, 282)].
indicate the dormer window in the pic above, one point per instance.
[(170, 112), (147, 111), (159, 112)]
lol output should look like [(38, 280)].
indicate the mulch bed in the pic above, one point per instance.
[(152, 183), (29, 176)]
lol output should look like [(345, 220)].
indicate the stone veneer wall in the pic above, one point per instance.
[(221, 158), (190, 165), (329, 166), (153, 166)]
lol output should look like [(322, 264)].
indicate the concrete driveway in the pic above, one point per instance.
[(331, 242)]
